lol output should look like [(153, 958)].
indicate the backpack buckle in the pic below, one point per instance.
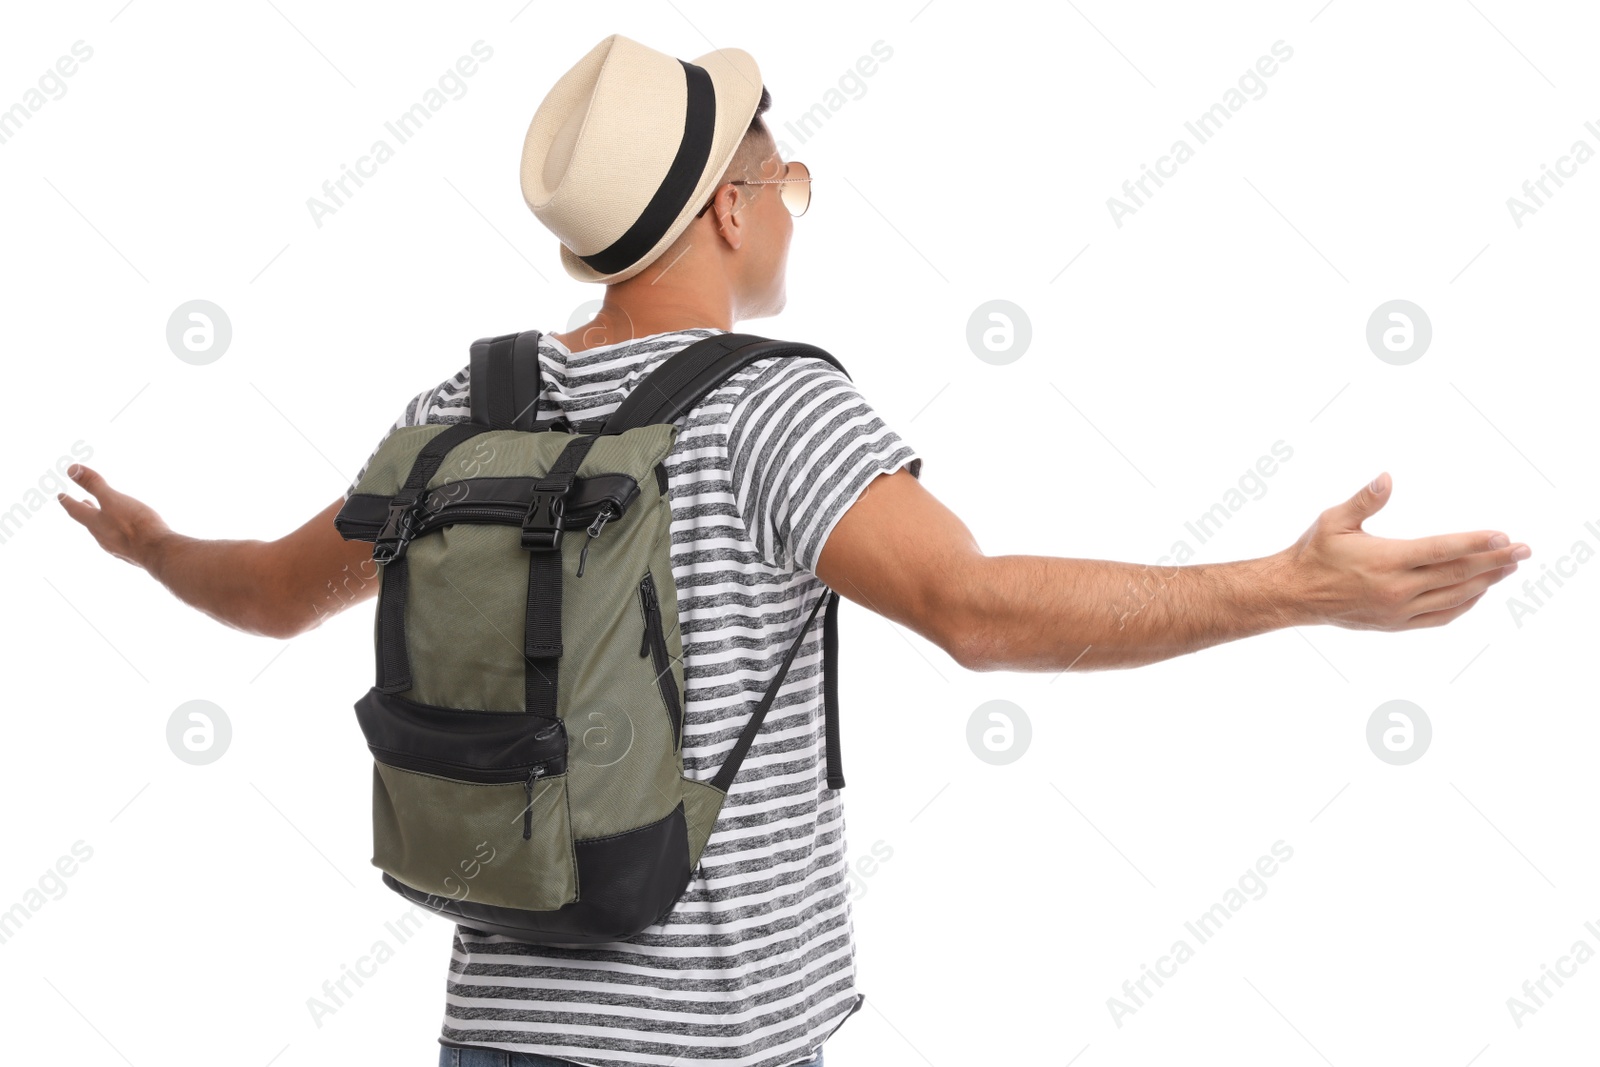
[(541, 527), (398, 530)]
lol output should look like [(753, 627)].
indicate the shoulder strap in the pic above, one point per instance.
[(723, 780), (688, 375), (504, 387), (663, 396)]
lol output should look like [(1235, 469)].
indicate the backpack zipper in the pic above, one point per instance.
[(655, 642), (534, 774), (528, 776), (484, 775), (510, 514), (467, 512), (595, 527)]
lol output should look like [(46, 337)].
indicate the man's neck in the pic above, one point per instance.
[(598, 333), (651, 303)]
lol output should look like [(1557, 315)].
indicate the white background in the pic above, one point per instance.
[(1228, 313)]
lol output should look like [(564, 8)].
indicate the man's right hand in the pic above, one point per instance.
[(1338, 573), (278, 588), (125, 527)]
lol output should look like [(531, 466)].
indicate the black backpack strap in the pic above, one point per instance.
[(541, 537), (830, 689), (389, 550), (664, 395), (504, 395), (730, 766), (504, 388), (688, 375)]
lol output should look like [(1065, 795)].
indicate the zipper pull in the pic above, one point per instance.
[(595, 527), (649, 606), (527, 813)]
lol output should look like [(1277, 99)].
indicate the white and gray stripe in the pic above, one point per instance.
[(755, 967)]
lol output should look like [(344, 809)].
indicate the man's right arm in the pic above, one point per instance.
[(278, 588), (902, 553)]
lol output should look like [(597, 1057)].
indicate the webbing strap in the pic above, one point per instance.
[(541, 650), (565, 468), (541, 642), (394, 663), (830, 689), (394, 667), (730, 766)]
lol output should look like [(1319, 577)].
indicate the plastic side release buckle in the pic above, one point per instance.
[(541, 527), (398, 529)]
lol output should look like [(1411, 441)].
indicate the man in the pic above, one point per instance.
[(663, 183)]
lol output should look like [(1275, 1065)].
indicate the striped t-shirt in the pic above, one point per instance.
[(755, 965)]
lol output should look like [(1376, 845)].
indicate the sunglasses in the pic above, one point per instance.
[(794, 188)]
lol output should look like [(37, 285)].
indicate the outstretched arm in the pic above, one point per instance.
[(278, 588), (902, 553)]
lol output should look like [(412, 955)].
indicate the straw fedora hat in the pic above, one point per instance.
[(628, 145)]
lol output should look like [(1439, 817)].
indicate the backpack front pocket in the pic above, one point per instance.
[(471, 805)]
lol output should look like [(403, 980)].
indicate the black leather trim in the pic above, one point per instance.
[(626, 882), (470, 741), (363, 515), (586, 494)]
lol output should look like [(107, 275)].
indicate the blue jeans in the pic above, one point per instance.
[(471, 1057)]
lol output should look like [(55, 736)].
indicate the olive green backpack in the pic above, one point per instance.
[(526, 724)]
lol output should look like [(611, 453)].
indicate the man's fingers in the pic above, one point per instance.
[(78, 509), (1430, 552), (1439, 618), (1456, 571), (91, 480), (1435, 601), (1366, 503)]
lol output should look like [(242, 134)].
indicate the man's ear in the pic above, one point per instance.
[(726, 211)]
